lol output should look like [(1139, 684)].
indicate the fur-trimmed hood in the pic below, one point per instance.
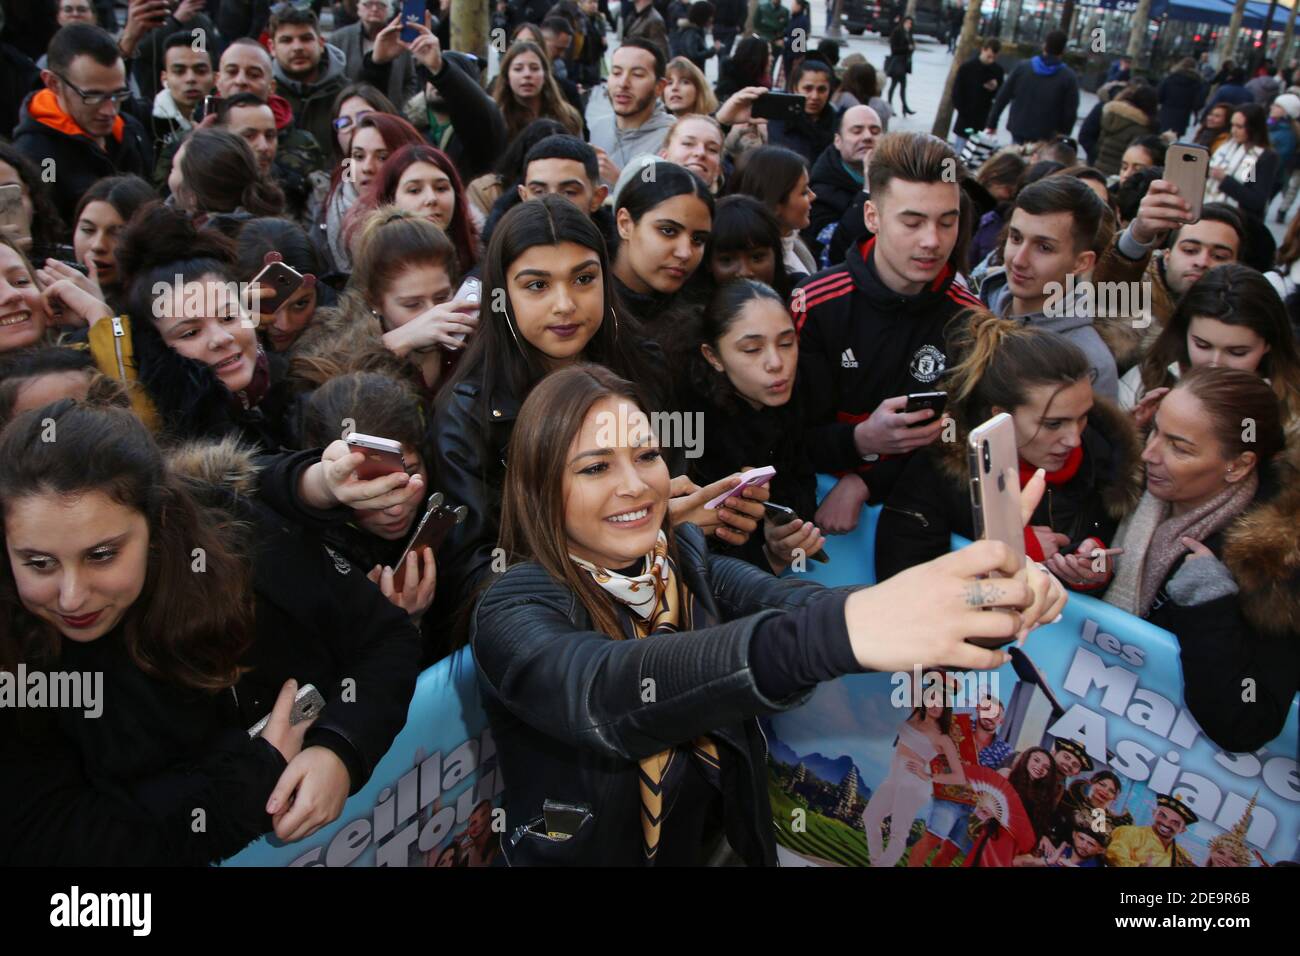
[(1261, 549), (1120, 491), (224, 463), (1116, 112)]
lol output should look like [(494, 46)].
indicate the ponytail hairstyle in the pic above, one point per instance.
[(1001, 360), (219, 168), (532, 506), (498, 358), (711, 324), (639, 194), (1233, 294), (187, 629), (388, 241), (376, 404)]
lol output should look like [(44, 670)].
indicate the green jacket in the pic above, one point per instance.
[(770, 21)]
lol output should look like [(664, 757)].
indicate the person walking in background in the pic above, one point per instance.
[(901, 45), (1043, 94)]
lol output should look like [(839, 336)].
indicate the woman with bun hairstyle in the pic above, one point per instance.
[(663, 223), (263, 239), (422, 180), (1086, 446), (188, 348), (1231, 317), (1210, 555), (607, 592), (219, 181), (548, 269), (98, 574), (740, 377)]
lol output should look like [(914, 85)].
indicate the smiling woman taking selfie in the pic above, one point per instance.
[(549, 301), (623, 666)]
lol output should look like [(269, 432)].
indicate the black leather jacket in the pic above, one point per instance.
[(469, 468), (570, 723)]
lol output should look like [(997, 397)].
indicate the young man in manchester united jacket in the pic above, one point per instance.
[(872, 329)]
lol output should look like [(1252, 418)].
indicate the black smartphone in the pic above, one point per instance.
[(778, 106), (917, 401), (210, 103), (780, 514)]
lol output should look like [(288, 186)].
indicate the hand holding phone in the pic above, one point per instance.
[(434, 526), (934, 401), (1186, 166), (782, 542), (755, 477), (995, 493), (274, 285), (779, 106), (308, 704)]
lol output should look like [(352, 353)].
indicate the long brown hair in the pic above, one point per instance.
[(1236, 295), (532, 509), (554, 105), (185, 628)]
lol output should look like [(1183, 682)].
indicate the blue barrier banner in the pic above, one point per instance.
[(1100, 691), (431, 799)]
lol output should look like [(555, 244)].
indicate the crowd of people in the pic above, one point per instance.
[(486, 271)]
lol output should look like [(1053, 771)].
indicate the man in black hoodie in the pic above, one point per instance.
[(839, 180), (872, 330), (977, 83), (74, 128), (1043, 93)]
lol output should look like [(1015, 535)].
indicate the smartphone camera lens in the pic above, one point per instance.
[(988, 459)]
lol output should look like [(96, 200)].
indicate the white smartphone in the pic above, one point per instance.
[(1187, 166), (995, 493), (307, 705)]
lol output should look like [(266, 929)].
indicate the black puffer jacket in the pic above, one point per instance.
[(931, 501), (837, 193), (565, 702), (121, 789)]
